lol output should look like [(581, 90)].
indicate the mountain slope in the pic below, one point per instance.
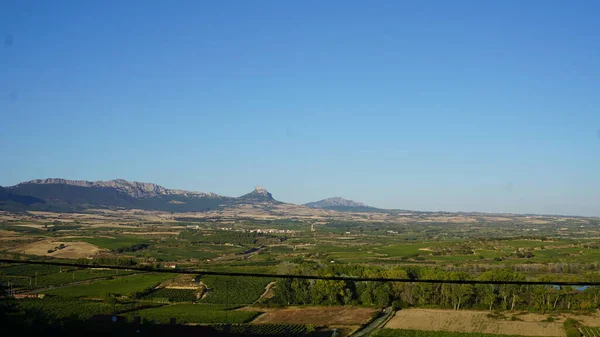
[(16, 203), (72, 195), (342, 205), (63, 195)]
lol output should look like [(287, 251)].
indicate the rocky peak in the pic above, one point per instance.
[(259, 194)]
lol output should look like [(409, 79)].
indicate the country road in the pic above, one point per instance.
[(375, 324)]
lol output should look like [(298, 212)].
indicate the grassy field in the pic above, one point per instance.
[(171, 295), (194, 313), (121, 286), (234, 291)]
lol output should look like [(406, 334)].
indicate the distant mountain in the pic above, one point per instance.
[(342, 205), (63, 195), (132, 188)]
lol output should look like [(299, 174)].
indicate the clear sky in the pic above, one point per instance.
[(489, 106)]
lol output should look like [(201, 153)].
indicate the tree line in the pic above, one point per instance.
[(456, 296)]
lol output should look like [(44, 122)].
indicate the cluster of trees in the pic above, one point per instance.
[(133, 248), (59, 247), (456, 296)]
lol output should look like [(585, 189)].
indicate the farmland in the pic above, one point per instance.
[(426, 246), (265, 329), (233, 290), (194, 313), (64, 308), (171, 295), (420, 333), (121, 286), (587, 331)]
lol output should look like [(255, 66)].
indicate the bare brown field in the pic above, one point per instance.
[(322, 316), (474, 321), (72, 250)]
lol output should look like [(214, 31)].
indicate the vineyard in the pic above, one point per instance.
[(233, 290), (194, 313), (422, 333), (61, 308), (264, 329), (119, 286), (32, 276), (588, 331), (171, 295)]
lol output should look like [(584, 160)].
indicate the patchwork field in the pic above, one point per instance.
[(72, 250)]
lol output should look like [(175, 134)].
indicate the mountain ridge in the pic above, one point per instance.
[(135, 189), (64, 195)]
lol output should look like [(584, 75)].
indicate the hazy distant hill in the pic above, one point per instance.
[(72, 195), (342, 205)]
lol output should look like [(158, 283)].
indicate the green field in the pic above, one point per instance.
[(121, 286), (58, 308), (194, 313), (57, 278), (171, 295), (234, 291)]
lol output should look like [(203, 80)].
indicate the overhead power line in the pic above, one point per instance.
[(305, 277)]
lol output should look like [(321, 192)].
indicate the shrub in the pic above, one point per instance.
[(573, 332), (570, 323)]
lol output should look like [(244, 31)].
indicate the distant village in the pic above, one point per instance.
[(245, 230)]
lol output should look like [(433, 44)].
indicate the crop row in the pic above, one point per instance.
[(66, 308), (126, 286), (264, 329), (194, 313), (590, 331), (172, 295), (233, 290)]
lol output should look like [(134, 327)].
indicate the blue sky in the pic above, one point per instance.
[(433, 105)]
